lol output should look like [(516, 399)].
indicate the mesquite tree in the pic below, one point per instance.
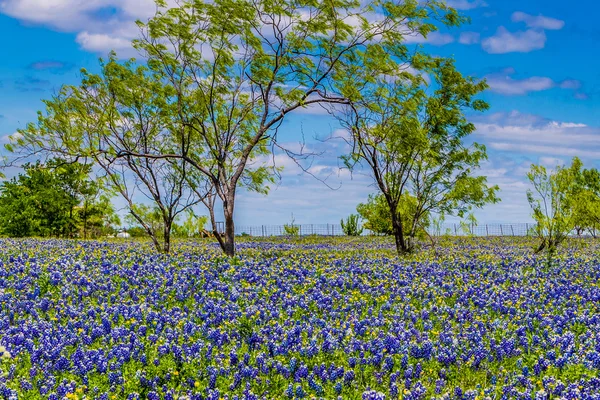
[(554, 203), (109, 120), (410, 134)]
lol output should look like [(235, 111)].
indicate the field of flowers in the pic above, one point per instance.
[(307, 319)]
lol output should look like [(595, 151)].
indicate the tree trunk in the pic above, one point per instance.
[(401, 245), (229, 242), (167, 237), (155, 241)]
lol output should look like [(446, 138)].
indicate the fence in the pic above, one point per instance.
[(519, 229)]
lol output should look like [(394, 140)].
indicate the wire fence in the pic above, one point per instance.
[(518, 229)]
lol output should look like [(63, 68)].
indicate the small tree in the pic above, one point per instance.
[(411, 135), (587, 202), (291, 229), (109, 120), (351, 227), (553, 203)]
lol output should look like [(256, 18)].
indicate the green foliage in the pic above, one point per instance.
[(376, 214), (291, 229), (587, 202), (351, 227), (56, 199), (553, 202), (148, 218), (467, 224), (411, 134), (192, 226), (98, 217), (137, 232)]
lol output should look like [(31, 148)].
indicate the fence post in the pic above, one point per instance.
[(312, 229), (454, 229), (512, 230), (487, 233), (501, 232), (527, 229)]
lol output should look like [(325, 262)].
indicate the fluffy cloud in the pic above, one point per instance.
[(533, 38), (539, 21), (514, 42), (74, 15), (101, 42), (528, 134), (503, 83)]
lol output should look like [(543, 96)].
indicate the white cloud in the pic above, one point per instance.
[(539, 21), (514, 42), (503, 83), (526, 135), (469, 38), (100, 42), (466, 4), (507, 85), (522, 41), (546, 149)]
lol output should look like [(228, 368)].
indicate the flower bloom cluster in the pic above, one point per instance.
[(485, 319)]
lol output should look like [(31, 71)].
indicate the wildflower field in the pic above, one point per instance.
[(483, 318)]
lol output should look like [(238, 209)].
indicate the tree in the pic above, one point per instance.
[(110, 119), (411, 135), (376, 213), (587, 201), (32, 204), (291, 229), (553, 203), (45, 200), (351, 226), (227, 73)]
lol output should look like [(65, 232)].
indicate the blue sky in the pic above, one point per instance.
[(540, 58)]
